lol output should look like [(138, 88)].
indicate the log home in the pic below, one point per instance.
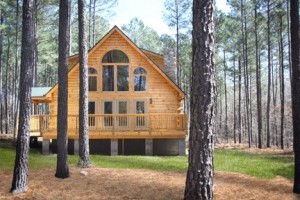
[(134, 107)]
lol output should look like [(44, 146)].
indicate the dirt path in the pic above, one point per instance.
[(141, 184)]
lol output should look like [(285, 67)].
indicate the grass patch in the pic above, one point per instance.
[(261, 166), (160, 163), (258, 165)]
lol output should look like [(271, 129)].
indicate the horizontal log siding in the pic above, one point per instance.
[(165, 99)]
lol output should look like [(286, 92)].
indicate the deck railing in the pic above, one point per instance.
[(114, 122)]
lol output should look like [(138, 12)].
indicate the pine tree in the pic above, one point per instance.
[(295, 46), (199, 181), (20, 176), (62, 168), (84, 160)]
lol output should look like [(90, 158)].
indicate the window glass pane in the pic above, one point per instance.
[(140, 107), (92, 108), (139, 83), (115, 56), (123, 78), (108, 78), (140, 70), (108, 107), (122, 107), (92, 83), (92, 70)]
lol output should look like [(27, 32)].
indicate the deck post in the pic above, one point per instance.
[(76, 146), (114, 147), (149, 147), (46, 146), (181, 147)]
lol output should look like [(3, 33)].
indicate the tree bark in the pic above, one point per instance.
[(1, 66), (84, 160), (225, 93), (199, 181), (246, 73), (16, 88), (281, 78), (62, 168), (258, 81), (20, 176), (7, 90), (269, 78), (295, 45), (240, 102), (234, 102)]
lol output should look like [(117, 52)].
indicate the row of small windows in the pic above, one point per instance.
[(117, 76)]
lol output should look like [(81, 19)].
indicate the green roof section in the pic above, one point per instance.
[(39, 91)]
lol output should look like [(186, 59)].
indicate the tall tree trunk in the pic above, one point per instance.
[(35, 72), (281, 74), (90, 24), (199, 181), (84, 160), (234, 102), (240, 102), (177, 49), (274, 97), (269, 78), (258, 81), (289, 39), (62, 168), (7, 90), (225, 93), (295, 47), (94, 24), (20, 176), (1, 66), (16, 89), (220, 110), (246, 73), (69, 24)]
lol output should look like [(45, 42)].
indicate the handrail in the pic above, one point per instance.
[(115, 122)]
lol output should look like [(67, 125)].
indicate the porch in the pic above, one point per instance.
[(115, 126)]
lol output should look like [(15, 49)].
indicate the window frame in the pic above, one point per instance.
[(140, 75), (93, 75), (115, 71)]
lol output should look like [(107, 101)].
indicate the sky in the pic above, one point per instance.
[(149, 11)]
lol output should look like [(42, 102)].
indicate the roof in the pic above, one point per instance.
[(39, 91), (142, 52)]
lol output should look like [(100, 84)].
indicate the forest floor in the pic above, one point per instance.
[(113, 184), (101, 183)]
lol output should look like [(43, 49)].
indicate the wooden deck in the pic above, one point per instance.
[(113, 126)]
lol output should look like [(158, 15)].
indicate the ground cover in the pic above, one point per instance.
[(142, 177)]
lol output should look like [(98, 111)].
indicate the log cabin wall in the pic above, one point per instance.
[(164, 97)]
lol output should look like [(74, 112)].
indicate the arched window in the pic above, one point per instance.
[(140, 79), (115, 71), (92, 73), (115, 56)]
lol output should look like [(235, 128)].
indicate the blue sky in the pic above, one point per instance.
[(149, 11)]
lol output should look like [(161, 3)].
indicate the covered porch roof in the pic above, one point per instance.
[(38, 94)]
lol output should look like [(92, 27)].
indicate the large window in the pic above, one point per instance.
[(140, 79), (123, 78), (115, 71), (108, 78), (92, 79)]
